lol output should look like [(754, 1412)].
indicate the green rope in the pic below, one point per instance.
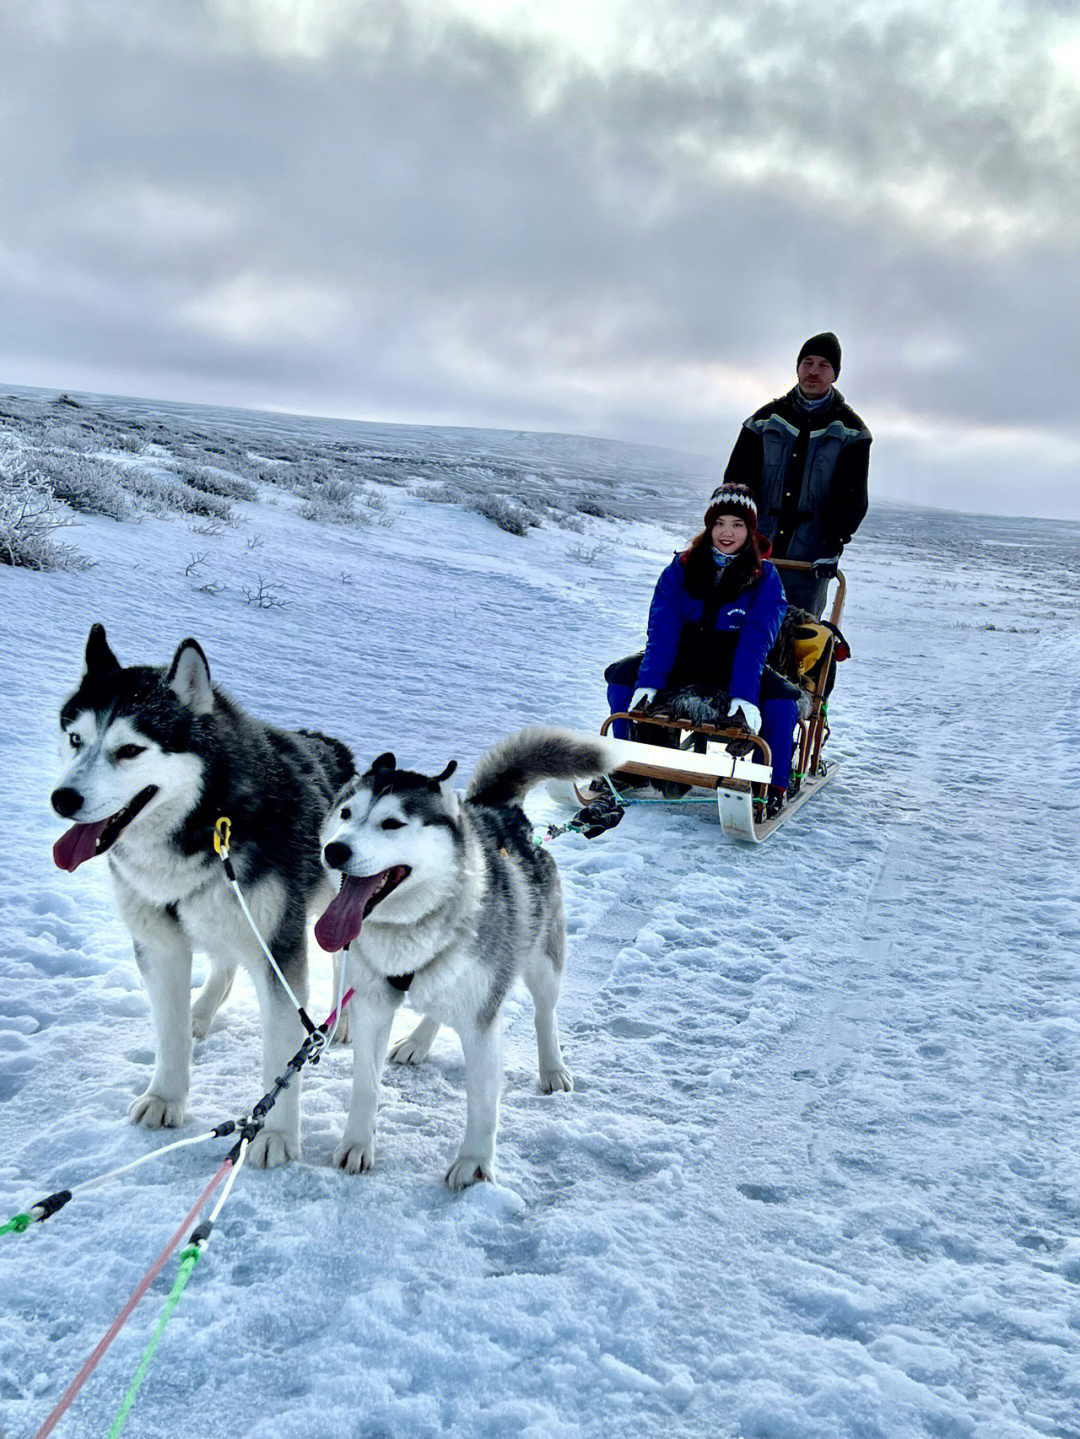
[(679, 799), (17, 1223), (189, 1257)]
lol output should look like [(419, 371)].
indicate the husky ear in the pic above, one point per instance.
[(440, 779), (385, 761), (189, 678), (99, 658)]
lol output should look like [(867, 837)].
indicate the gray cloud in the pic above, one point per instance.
[(448, 224)]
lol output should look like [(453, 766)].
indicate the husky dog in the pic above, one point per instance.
[(154, 758), (449, 901)]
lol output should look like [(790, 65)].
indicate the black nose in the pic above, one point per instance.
[(67, 802), (336, 854)]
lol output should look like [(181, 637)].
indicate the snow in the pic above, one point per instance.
[(819, 1173)]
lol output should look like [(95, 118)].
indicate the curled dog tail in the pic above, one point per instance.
[(506, 772)]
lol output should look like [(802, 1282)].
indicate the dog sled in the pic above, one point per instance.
[(728, 759)]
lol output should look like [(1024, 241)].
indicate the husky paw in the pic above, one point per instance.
[(272, 1147), (467, 1169), (354, 1156), (406, 1052), (200, 1022), (157, 1113), (557, 1080)]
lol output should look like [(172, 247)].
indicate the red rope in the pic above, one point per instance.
[(125, 1313)]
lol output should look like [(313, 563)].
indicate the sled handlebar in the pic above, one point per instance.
[(807, 567)]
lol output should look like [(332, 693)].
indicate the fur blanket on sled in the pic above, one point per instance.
[(780, 679)]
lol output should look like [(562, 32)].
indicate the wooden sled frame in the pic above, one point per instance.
[(739, 779)]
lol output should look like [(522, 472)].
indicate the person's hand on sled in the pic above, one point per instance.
[(745, 713), (643, 696), (826, 569)]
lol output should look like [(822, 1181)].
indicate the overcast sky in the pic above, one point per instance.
[(621, 219)]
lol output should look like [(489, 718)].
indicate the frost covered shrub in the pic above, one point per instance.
[(442, 494), (568, 522), (64, 435), (151, 488), (197, 502), (163, 492), (514, 519), (374, 501), (509, 517), (336, 492), (595, 506), (87, 483), (28, 519), (315, 480), (213, 482), (320, 508)]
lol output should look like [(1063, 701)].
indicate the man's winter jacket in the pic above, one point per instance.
[(807, 470)]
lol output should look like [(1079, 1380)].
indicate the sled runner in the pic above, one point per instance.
[(728, 758)]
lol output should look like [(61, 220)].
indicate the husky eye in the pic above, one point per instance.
[(345, 814), (74, 740), (392, 824), (129, 751)]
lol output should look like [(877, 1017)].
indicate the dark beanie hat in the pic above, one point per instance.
[(731, 500), (826, 345)]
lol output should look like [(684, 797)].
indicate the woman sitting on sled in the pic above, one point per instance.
[(714, 617)]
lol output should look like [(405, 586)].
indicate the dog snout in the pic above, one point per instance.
[(336, 854), (67, 802)]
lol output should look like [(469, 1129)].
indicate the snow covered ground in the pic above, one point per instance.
[(820, 1173)]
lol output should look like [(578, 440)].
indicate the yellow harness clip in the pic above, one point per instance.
[(222, 830)]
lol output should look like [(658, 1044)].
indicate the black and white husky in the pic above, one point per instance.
[(153, 758), (449, 900)]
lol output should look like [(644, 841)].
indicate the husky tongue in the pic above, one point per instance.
[(341, 922), (78, 844)]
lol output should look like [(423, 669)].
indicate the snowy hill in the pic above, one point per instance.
[(820, 1173)]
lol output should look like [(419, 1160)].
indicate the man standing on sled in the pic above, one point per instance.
[(805, 458)]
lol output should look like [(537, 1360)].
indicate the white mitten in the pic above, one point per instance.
[(750, 714), (645, 696)]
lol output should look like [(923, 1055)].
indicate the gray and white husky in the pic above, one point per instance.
[(449, 901), (153, 758)]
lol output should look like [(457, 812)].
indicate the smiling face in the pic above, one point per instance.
[(729, 534), (391, 836), (123, 751)]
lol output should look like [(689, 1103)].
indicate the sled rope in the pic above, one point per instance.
[(189, 1257), (311, 1049), (45, 1208), (121, 1319), (249, 1126), (222, 831)]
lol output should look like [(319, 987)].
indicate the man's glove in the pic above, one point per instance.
[(749, 714), (826, 569), (643, 696)]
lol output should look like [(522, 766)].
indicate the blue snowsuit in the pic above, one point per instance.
[(730, 658)]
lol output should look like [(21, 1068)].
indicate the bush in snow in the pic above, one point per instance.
[(509, 517), (595, 506), (331, 513), (29, 517), (87, 483), (67, 432), (129, 441), (214, 482), (154, 490)]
